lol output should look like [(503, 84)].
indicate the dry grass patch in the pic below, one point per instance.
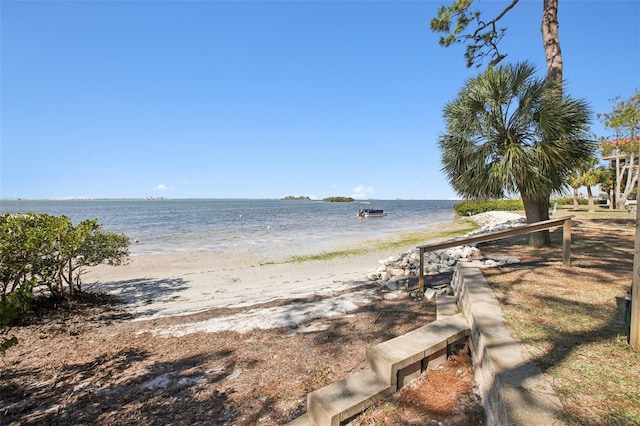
[(571, 319)]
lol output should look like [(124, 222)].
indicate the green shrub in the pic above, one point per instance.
[(568, 201), (473, 207), (43, 250)]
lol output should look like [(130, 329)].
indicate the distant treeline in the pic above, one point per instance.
[(338, 200), (473, 207), (293, 197)]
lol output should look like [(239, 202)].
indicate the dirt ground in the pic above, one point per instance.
[(90, 365)]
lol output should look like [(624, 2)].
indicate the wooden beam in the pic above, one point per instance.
[(564, 221), (497, 235)]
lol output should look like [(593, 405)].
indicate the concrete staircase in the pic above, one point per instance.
[(514, 391), (389, 366)]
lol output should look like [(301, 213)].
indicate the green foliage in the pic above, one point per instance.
[(43, 250), (624, 118), (294, 198), (508, 133), (473, 207), (338, 200), (568, 201), (482, 39), (11, 306)]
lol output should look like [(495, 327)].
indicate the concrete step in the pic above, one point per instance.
[(390, 365), (446, 306), (342, 400), (400, 360)]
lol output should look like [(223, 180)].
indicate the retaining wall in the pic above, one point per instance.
[(513, 390)]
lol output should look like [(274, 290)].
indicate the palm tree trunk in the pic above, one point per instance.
[(576, 205), (537, 210), (592, 205)]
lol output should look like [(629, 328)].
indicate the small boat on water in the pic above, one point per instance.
[(370, 213)]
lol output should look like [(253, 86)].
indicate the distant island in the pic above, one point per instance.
[(291, 197), (338, 200)]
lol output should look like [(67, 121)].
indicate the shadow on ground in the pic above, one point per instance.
[(574, 310)]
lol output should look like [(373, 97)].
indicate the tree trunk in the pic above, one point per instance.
[(611, 200), (618, 176), (592, 205), (631, 180), (537, 210), (576, 205), (551, 41), (70, 279)]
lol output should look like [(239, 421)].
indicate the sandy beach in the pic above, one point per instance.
[(183, 283), (161, 285), (210, 337)]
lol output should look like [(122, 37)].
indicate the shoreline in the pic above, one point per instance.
[(182, 283), (171, 285)]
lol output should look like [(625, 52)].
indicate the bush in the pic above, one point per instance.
[(473, 207), (43, 250), (568, 201)]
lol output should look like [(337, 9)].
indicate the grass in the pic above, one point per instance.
[(327, 255), (403, 240), (571, 319)]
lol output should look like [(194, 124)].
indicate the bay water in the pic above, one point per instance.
[(266, 226)]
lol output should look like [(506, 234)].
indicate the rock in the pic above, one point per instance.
[(392, 285), (429, 293), (394, 272), (396, 268), (432, 268), (391, 296)]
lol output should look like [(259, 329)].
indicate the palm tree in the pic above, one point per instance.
[(590, 174), (593, 177), (575, 182), (509, 132)]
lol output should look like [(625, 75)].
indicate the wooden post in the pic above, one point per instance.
[(421, 276), (566, 243), (634, 334)]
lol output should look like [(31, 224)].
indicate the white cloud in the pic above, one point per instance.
[(362, 191), (161, 187)]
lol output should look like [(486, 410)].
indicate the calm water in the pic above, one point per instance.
[(213, 224)]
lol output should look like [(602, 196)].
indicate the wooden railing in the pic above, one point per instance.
[(564, 221)]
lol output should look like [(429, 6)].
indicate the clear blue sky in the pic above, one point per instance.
[(261, 99)]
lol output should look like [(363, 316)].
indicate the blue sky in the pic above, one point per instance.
[(111, 99)]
